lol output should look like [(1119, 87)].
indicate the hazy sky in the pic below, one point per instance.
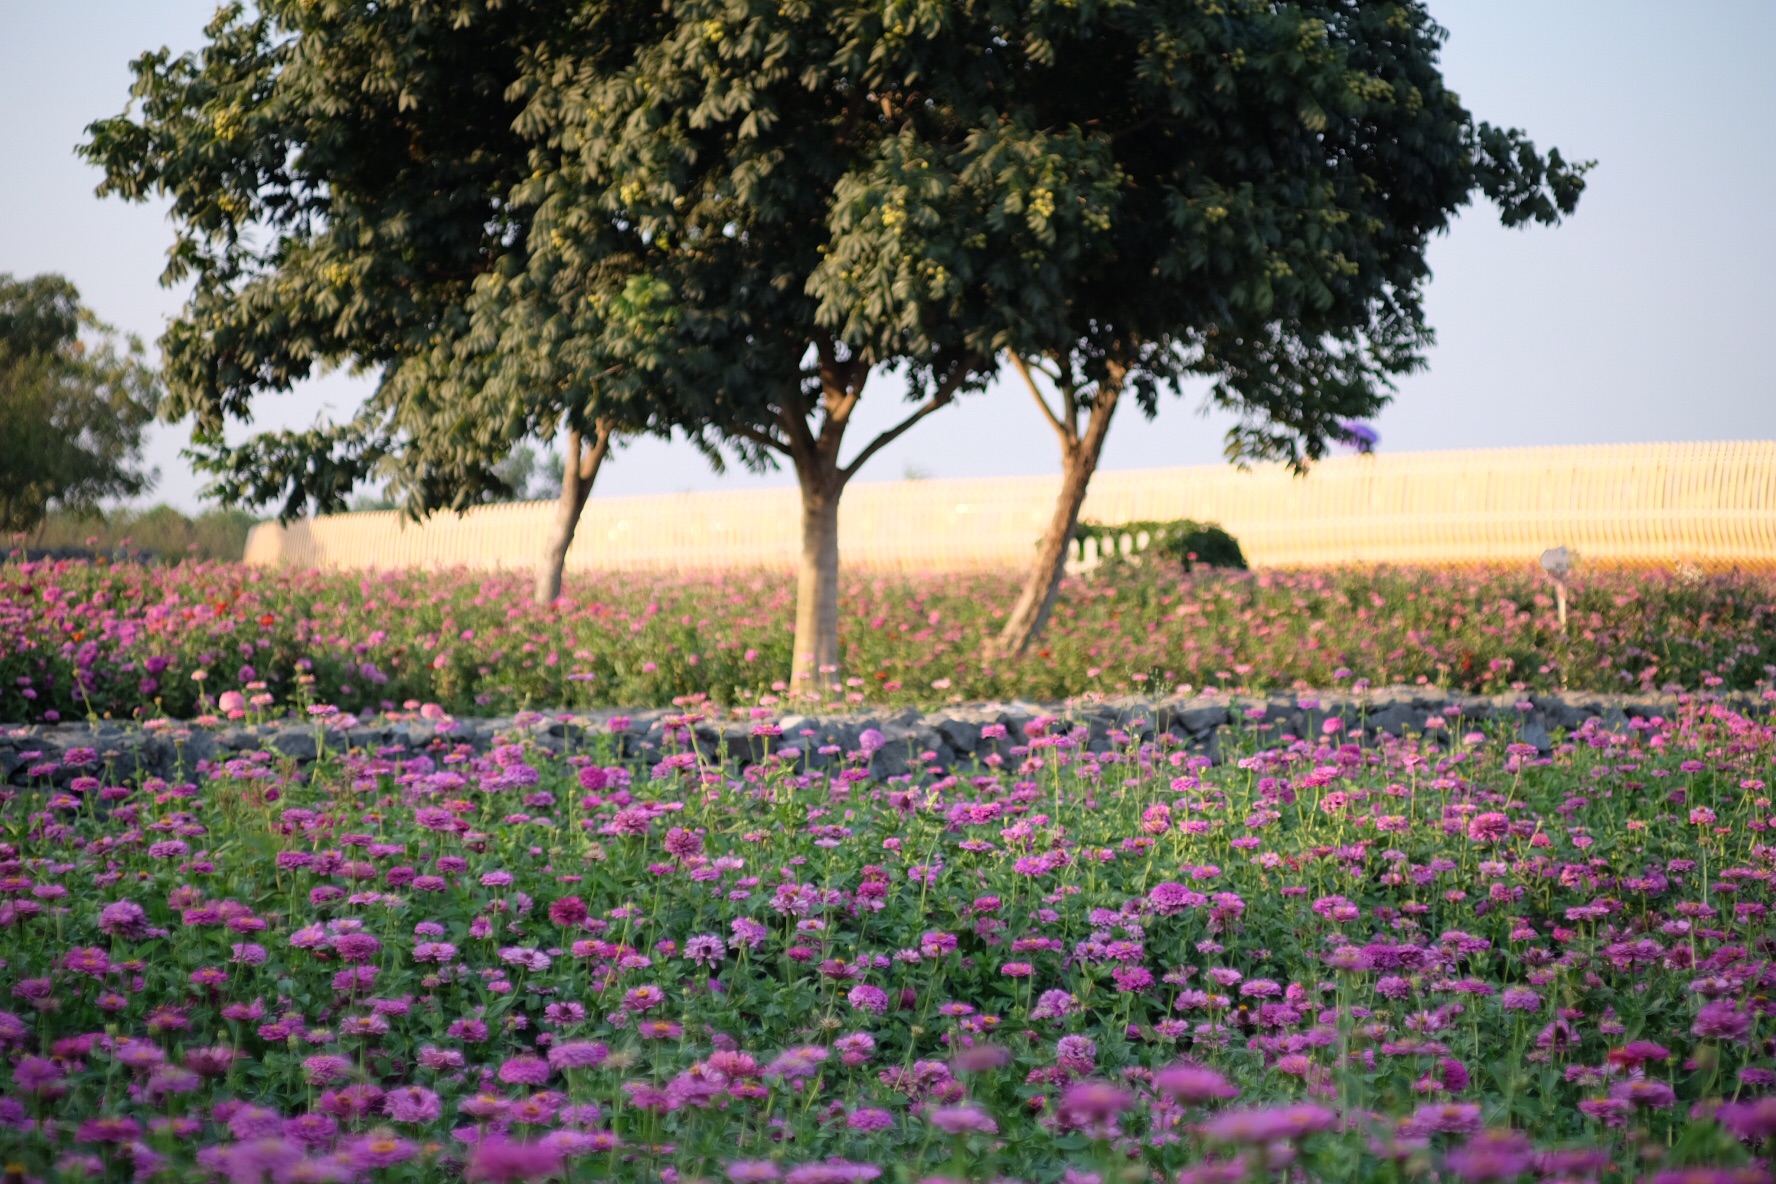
[(1640, 319)]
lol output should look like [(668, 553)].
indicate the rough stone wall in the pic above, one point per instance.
[(953, 735)]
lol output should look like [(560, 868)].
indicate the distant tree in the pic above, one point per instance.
[(74, 400), (530, 475), (160, 531), (1280, 170)]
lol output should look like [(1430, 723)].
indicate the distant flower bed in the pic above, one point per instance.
[(183, 640), (1433, 960)]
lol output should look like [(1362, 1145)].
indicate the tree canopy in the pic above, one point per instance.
[(74, 400), (722, 218)]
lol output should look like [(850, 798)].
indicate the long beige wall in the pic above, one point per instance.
[(1710, 504)]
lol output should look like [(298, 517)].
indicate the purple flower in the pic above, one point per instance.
[(1094, 1101), (1193, 1085), (1520, 999), (578, 1054), (255, 1122), (124, 918), (33, 1074), (499, 1160), (867, 998), (867, 1120), (1647, 1092), (356, 947), (752, 1171), (1076, 1054), (326, 1069), (1495, 1155), (412, 1103), (313, 1130), (108, 1130), (1270, 1125), (1751, 1121), (1445, 1118), (524, 1070), (1722, 1020), (379, 1149), (833, 1171), (961, 1120)]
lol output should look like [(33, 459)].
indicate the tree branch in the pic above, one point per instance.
[(945, 393), (765, 438), (798, 441), (1023, 370)]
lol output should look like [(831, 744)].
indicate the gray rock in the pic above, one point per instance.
[(1534, 733), (964, 735), (296, 742), (1197, 720), (1395, 719)]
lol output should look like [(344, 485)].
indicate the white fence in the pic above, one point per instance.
[(1709, 504)]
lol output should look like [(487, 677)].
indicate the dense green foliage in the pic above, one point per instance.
[(1183, 541), (159, 531), (73, 403)]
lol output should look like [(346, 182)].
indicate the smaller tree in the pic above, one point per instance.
[(74, 399), (1282, 168)]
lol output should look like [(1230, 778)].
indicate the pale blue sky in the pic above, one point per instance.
[(1647, 317)]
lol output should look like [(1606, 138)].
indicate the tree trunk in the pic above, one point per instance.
[(816, 662), (579, 469), (815, 453), (1079, 460)]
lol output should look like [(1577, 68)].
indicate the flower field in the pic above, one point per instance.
[(79, 640), (1312, 961)]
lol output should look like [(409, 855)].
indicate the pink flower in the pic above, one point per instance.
[(1094, 1101), (578, 1054), (1446, 1118), (499, 1160), (412, 1103), (1722, 1020), (867, 998), (124, 918), (756, 1171), (356, 947), (961, 1120), (1495, 1155), (326, 1069), (1076, 1054), (379, 1149), (1270, 1125), (524, 1070), (1193, 1085)]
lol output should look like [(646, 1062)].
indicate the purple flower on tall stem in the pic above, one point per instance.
[(499, 1160)]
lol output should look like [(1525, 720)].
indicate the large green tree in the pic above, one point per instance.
[(617, 216), (1280, 171), (725, 217), (814, 195), (74, 400)]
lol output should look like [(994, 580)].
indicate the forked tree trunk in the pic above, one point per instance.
[(1079, 460), (579, 469), (814, 449), (816, 662)]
